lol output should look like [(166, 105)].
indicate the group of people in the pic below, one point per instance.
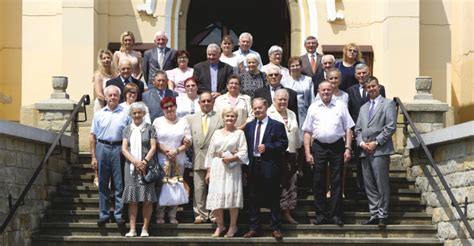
[(237, 124)]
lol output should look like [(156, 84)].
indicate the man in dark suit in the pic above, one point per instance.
[(125, 77), (328, 62), (374, 129), (266, 141), (311, 60), (154, 94), (357, 98), (212, 74), (268, 91), (161, 57)]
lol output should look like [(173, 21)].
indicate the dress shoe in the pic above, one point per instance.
[(219, 232), (338, 221), (120, 222), (102, 222), (319, 220), (277, 235), (382, 222), (371, 221), (131, 233), (250, 234)]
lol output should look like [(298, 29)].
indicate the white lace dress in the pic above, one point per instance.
[(225, 185)]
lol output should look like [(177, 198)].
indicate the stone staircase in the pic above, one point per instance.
[(71, 220)]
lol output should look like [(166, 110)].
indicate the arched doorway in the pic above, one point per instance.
[(267, 20)]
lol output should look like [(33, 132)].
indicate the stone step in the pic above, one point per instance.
[(164, 241), (205, 230), (187, 216)]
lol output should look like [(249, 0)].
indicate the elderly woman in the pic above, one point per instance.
[(188, 103), (227, 151), (171, 133), (334, 77), (351, 56), (138, 147), (275, 54), (131, 91), (177, 76), (279, 111), (235, 100), (106, 70), (127, 40), (252, 79)]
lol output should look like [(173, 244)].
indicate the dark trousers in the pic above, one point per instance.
[(334, 155), (358, 163), (263, 192)]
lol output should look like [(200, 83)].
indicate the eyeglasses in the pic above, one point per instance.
[(132, 92), (352, 50), (169, 106), (273, 74)]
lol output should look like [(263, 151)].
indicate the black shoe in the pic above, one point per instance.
[(120, 222), (371, 221), (383, 222), (338, 221), (319, 220), (102, 222)]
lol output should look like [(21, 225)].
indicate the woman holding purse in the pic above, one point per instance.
[(227, 151), (138, 147)]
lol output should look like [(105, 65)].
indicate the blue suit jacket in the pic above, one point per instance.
[(152, 101), (275, 141)]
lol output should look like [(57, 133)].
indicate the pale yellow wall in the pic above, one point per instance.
[(391, 27), (10, 58)]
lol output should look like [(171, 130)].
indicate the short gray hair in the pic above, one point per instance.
[(281, 91), (112, 87), (161, 33), (361, 66), (274, 49), (213, 46), (333, 59), (252, 56), (137, 105), (246, 35), (261, 99)]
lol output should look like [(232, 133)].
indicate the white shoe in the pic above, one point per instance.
[(131, 234), (144, 233)]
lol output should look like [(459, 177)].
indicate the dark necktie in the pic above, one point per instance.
[(257, 137), (126, 81), (371, 109)]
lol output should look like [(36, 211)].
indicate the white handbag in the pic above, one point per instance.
[(173, 190)]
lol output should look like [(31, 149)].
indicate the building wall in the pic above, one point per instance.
[(10, 59), (409, 38)]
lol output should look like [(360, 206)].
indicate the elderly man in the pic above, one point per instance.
[(105, 147), (152, 97), (312, 59), (245, 43), (374, 129), (266, 141), (212, 74), (203, 125), (328, 62), (125, 77), (159, 58), (327, 139), (267, 92)]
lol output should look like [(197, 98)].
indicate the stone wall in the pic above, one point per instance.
[(453, 151), (22, 149)]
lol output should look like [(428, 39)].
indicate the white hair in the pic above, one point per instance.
[(112, 87)]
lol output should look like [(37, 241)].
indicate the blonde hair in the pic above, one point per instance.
[(123, 35), (101, 68), (227, 110), (347, 47)]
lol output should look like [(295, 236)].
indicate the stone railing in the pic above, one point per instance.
[(453, 152), (22, 148)]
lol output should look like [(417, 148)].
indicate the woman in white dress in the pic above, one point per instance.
[(188, 103), (227, 152), (235, 100), (127, 41), (171, 133), (177, 76), (279, 111)]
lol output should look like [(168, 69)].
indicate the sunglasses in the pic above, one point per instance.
[(273, 74)]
